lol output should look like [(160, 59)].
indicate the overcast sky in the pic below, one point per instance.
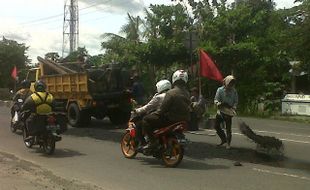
[(39, 23)]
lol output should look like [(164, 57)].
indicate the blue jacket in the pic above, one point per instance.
[(228, 96)]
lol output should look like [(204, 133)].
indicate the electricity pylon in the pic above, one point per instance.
[(70, 27)]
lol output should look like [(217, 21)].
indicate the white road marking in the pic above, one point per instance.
[(289, 140), (282, 174), (277, 133), (283, 139), (201, 133)]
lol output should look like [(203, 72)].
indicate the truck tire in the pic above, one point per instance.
[(77, 117), (118, 116)]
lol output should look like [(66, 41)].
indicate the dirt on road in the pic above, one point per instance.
[(19, 174)]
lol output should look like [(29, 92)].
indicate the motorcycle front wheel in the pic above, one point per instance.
[(173, 154), (12, 127), (49, 145), (128, 146)]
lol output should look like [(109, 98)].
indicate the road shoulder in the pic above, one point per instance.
[(16, 173)]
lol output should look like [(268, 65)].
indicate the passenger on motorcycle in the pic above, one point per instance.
[(23, 93), (174, 108), (39, 104), (162, 87)]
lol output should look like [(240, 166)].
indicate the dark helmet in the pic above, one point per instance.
[(25, 84), (39, 86)]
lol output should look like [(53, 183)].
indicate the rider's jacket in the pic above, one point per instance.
[(43, 102), (176, 105), (22, 94), (152, 105), (39, 103)]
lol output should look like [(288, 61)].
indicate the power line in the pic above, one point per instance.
[(42, 19), (60, 15)]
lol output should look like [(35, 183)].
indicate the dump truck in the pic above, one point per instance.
[(85, 93)]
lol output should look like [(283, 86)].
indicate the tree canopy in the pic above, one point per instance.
[(12, 54), (248, 38)]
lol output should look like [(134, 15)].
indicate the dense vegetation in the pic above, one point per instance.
[(248, 38)]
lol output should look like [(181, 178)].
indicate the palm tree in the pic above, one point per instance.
[(132, 28)]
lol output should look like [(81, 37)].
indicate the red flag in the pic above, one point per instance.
[(14, 73), (208, 68)]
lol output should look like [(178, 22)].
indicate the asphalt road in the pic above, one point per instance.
[(92, 155)]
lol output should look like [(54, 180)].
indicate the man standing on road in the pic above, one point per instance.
[(198, 108), (226, 99)]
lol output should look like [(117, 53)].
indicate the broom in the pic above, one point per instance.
[(264, 141)]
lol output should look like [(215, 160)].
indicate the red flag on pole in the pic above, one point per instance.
[(208, 68), (14, 73)]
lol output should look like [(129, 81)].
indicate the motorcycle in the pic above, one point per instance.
[(16, 123), (170, 143), (48, 135)]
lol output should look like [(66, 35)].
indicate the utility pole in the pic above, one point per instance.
[(70, 27)]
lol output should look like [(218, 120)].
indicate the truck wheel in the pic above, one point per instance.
[(118, 116), (76, 117)]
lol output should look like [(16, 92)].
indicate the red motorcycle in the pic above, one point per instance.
[(170, 143)]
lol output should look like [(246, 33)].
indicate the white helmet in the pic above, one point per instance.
[(163, 85), (179, 75)]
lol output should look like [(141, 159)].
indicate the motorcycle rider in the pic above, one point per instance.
[(24, 92), (162, 87), (226, 99), (40, 103), (174, 108)]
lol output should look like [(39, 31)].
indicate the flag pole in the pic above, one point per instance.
[(15, 85), (14, 76), (199, 77)]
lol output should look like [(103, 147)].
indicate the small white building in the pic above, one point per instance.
[(296, 104)]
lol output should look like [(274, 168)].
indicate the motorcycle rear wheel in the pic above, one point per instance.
[(173, 155), (27, 143), (128, 146), (49, 145)]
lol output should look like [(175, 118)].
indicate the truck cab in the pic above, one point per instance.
[(33, 75)]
